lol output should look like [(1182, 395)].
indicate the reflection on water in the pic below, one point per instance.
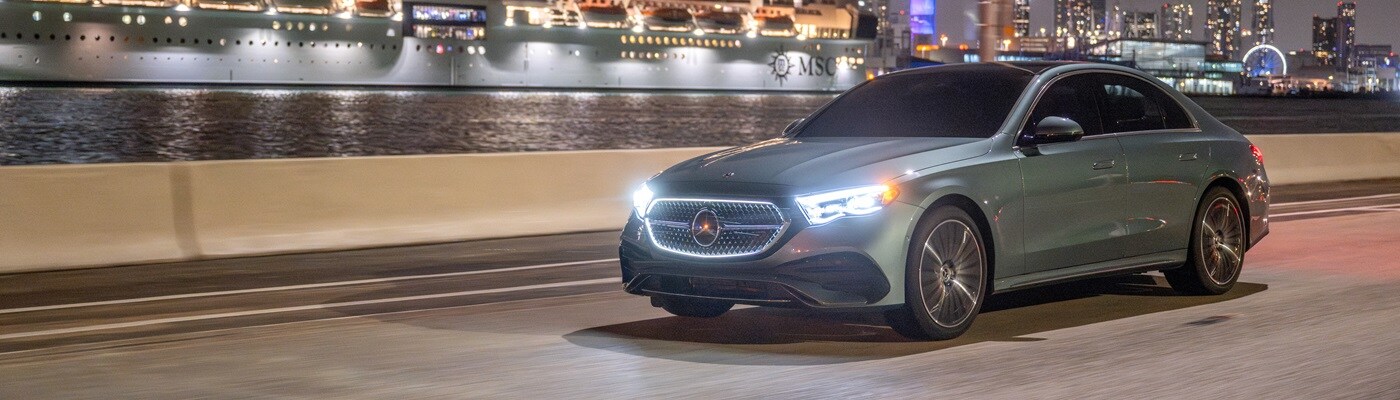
[(125, 125), (73, 125)]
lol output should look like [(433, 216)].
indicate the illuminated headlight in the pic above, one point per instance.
[(641, 199), (821, 208)]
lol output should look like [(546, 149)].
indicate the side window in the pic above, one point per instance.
[(1131, 104), (1072, 97)]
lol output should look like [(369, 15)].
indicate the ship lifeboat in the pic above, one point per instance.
[(603, 14), (373, 8), (669, 19), (773, 21), (231, 5), (319, 7), (720, 22), (63, 1)]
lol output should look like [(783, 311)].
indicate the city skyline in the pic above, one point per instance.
[(1292, 19)]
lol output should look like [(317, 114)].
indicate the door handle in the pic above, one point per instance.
[(1186, 157), (1105, 164)]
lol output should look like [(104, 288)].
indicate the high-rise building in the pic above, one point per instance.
[(1177, 20), (1263, 22), (1324, 42), (1073, 18), (1140, 25), (1098, 16), (1346, 34), (1022, 18), (1223, 27)]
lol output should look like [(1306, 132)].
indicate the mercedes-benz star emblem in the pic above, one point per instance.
[(705, 228)]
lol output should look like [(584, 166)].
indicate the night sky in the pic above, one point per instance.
[(1375, 22)]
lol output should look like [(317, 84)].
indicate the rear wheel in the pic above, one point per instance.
[(946, 277), (696, 308), (1216, 254)]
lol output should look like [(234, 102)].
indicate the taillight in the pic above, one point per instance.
[(1258, 154)]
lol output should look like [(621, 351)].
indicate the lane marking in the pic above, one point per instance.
[(1299, 203), (191, 318), (1387, 207), (297, 287), (103, 345)]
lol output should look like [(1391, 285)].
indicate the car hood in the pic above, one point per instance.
[(789, 166)]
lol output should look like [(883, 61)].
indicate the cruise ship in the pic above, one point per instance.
[(764, 45)]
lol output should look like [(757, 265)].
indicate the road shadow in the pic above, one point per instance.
[(766, 336)]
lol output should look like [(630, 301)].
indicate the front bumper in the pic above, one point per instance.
[(853, 262)]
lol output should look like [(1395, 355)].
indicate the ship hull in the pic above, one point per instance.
[(122, 45)]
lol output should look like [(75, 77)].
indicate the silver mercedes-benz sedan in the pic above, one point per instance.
[(919, 193)]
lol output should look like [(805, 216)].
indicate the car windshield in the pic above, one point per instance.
[(938, 102)]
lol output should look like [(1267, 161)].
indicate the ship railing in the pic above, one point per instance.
[(140, 3)]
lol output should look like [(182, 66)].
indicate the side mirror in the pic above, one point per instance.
[(788, 130), (1056, 130)]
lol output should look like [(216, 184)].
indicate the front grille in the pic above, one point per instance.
[(744, 227)]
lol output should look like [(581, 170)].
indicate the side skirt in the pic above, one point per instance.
[(1126, 266)]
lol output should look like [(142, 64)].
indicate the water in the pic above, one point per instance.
[(74, 125)]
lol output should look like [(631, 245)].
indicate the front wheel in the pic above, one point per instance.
[(945, 279), (1216, 255)]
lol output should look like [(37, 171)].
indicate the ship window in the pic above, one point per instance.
[(38, 16), (276, 25), (182, 40), (4, 35), (238, 42), (301, 44), (223, 42), (111, 38), (126, 19), (169, 40), (140, 19), (169, 20), (53, 37), (183, 21), (418, 48), (68, 37)]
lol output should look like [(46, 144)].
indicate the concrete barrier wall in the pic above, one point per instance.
[(81, 215), (54, 217), (272, 206), (1294, 159)]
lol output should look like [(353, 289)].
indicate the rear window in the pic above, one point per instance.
[(939, 102)]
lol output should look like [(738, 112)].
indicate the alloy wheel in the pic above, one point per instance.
[(951, 273)]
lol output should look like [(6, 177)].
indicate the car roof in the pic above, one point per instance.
[(1027, 67)]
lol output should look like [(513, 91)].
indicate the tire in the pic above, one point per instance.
[(945, 279), (695, 308), (1216, 253)]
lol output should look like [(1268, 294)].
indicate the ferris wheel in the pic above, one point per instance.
[(1265, 60)]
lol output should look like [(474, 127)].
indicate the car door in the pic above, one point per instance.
[(1166, 157), (1074, 191)]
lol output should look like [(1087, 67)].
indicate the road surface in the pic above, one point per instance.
[(1316, 315)]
